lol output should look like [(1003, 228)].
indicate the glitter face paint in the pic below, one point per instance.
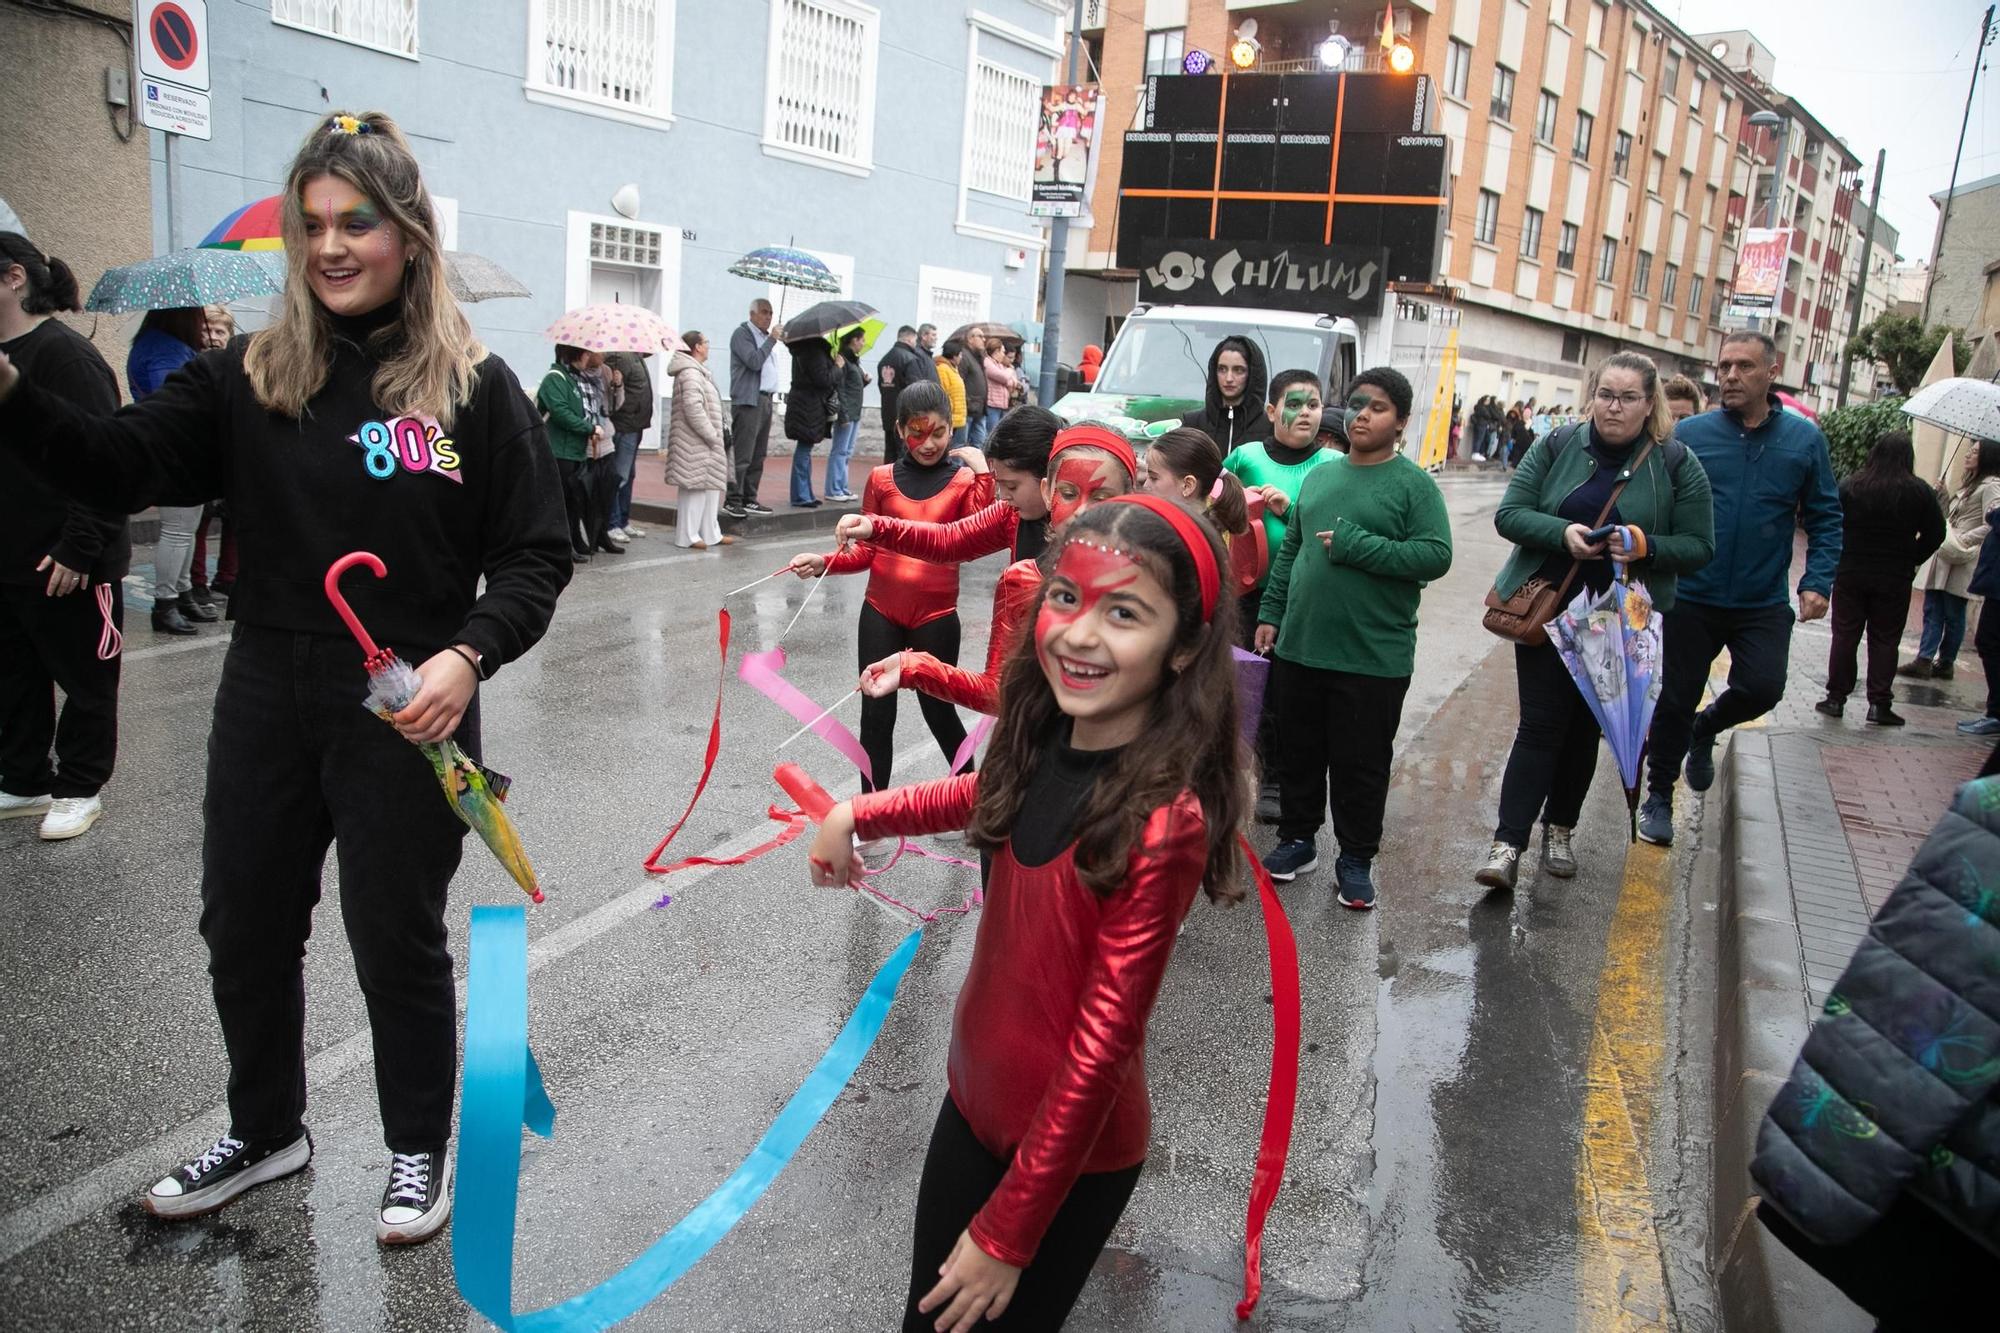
[(355, 257), (1101, 638), (1081, 479)]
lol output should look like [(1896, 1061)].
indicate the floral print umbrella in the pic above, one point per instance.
[(615, 328), (188, 278)]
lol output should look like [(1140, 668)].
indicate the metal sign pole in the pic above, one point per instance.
[(1052, 307), (170, 191)]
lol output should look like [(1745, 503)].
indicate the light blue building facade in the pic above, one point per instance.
[(631, 149)]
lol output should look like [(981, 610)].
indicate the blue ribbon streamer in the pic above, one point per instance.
[(502, 1090)]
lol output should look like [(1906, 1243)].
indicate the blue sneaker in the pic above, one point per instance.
[(1356, 882), (1290, 859), (1980, 726), (1701, 763), (1656, 821)]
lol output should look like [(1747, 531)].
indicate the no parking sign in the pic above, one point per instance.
[(172, 41)]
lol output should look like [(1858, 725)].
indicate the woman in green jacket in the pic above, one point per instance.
[(1552, 502), (571, 424)]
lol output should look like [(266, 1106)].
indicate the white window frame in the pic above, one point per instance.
[(1168, 64), (416, 35), (657, 116), (932, 276), (1486, 218), (1457, 68), (1044, 45), (577, 261), (1027, 162), (862, 163)]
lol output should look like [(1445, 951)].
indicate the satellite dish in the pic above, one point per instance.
[(1720, 50), (1247, 29)]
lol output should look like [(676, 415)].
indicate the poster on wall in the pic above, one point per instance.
[(1065, 150), (1760, 269)]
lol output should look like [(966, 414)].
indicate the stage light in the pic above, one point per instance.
[(1243, 54), (1402, 59), (1196, 61), (1333, 52)]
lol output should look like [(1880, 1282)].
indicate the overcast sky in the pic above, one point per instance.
[(1880, 74)]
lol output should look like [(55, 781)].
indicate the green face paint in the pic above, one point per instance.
[(1296, 401)]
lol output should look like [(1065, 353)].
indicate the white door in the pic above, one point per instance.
[(612, 284)]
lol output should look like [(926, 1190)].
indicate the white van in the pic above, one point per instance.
[(1157, 368)]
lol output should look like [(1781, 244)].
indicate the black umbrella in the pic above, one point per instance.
[(817, 321)]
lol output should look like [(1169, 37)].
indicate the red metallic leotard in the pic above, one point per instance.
[(1048, 1038), (991, 529), (906, 590)]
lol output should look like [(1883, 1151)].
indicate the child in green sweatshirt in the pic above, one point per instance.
[(1365, 534)]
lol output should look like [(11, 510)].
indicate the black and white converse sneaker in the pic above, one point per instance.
[(226, 1170), (418, 1200)]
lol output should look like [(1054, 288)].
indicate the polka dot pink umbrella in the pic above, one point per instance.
[(615, 328)]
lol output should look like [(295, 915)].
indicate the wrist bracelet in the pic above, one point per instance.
[(478, 672)]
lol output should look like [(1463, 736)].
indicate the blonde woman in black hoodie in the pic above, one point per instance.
[(367, 417)]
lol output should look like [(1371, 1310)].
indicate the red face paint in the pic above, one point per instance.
[(1091, 573), (1081, 480)]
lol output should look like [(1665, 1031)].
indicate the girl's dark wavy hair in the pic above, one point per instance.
[(921, 399), (1192, 452), (51, 285), (1191, 740)]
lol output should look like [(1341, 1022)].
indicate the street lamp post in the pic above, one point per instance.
[(1771, 120)]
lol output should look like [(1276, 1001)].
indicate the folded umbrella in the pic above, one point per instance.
[(188, 278), (474, 790), (615, 328), (1611, 644)]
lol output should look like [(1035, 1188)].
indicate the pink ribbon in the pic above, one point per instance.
[(971, 743), (760, 671), (110, 642)]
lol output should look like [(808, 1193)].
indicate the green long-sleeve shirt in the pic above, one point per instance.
[(1354, 607), (1253, 465)]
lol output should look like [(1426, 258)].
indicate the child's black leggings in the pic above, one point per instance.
[(882, 637), (959, 1176)]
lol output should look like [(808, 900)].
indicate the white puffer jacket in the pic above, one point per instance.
[(697, 459)]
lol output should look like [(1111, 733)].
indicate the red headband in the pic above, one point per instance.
[(1189, 530), (1097, 437)]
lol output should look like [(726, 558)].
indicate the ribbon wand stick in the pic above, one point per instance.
[(826, 713), (755, 582)]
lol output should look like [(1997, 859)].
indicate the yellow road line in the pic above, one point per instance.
[(1621, 1278)]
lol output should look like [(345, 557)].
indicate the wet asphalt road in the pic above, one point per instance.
[(1452, 1104)]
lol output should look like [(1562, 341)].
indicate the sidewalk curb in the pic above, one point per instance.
[(1761, 1022), (786, 519)]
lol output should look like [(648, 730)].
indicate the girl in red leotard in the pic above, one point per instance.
[(1111, 793), (911, 603), (1087, 464), (1185, 464)]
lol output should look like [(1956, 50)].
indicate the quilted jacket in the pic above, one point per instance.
[(1898, 1087)]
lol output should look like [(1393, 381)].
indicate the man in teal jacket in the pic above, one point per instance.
[(1770, 472)]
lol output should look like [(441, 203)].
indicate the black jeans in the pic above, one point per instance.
[(1759, 640), (295, 763), (1879, 605), (1337, 735), (48, 643), (959, 1176), (576, 488), (1986, 642), (1913, 1270), (892, 439), (750, 431), (879, 638), (1555, 748)]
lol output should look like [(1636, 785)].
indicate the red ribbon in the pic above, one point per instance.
[(653, 866), (1281, 1097)]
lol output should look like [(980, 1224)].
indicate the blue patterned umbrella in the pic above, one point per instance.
[(786, 267), (188, 278)]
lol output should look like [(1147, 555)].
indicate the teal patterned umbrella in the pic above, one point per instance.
[(786, 267), (189, 278)]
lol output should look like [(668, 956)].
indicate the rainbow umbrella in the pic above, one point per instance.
[(255, 226), (474, 790)]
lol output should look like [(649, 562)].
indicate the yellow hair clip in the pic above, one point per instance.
[(348, 125)]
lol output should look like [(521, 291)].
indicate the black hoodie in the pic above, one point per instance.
[(1230, 426), (441, 512)]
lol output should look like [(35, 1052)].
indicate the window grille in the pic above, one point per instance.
[(822, 94), (1006, 107), (616, 244), (389, 24), (608, 50), (953, 306)]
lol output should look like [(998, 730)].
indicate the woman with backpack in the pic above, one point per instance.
[(1623, 466)]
